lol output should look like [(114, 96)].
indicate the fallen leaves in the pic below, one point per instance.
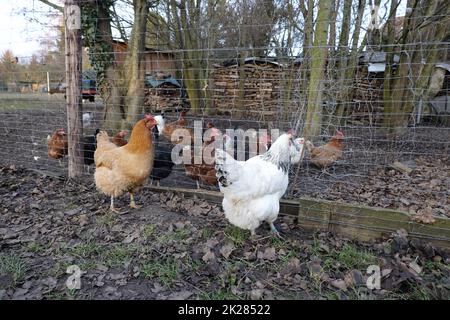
[(424, 216), (424, 189), (226, 250), (187, 249), (268, 254)]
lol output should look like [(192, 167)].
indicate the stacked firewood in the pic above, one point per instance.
[(166, 97), (262, 86), (367, 105)]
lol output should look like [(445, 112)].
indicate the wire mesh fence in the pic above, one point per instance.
[(385, 89)]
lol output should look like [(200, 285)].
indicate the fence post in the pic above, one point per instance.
[(48, 83), (72, 21)]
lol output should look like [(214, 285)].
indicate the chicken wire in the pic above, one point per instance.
[(241, 90)]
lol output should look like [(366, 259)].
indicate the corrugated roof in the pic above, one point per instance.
[(154, 83), (443, 65), (376, 57), (376, 67)]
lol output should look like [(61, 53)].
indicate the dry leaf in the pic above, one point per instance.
[(226, 250)]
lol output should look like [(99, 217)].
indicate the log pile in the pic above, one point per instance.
[(162, 93), (166, 97), (367, 105), (262, 85)]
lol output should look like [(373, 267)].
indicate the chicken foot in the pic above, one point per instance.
[(132, 203), (112, 208), (274, 230)]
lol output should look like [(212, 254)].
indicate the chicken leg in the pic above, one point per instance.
[(112, 208), (274, 230), (132, 203)]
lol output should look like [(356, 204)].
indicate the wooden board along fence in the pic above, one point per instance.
[(353, 221)]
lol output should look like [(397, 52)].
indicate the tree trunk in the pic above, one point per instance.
[(135, 64), (421, 72), (348, 64), (72, 19), (308, 33), (110, 88), (319, 52), (333, 16), (388, 73), (344, 35)]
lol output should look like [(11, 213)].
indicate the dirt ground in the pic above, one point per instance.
[(176, 248)]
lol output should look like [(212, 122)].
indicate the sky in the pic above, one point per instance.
[(23, 24)]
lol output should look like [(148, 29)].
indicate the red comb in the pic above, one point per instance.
[(215, 130), (149, 117), (291, 132)]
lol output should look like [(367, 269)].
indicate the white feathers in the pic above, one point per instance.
[(87, 118), (160, 123), (252, 189)]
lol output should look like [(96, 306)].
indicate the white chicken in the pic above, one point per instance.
[(252, 189), (87, 118)]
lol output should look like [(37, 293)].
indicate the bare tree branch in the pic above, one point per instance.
[(54, 6)]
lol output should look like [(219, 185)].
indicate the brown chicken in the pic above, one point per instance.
[(327, 154), (125, 169), (119, 139), (204, 172), (57, 144), (169, 128)]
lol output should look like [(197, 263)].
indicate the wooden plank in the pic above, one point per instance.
[(367, 223), (353, 221)]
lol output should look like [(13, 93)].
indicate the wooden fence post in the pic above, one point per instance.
[(72, 22)]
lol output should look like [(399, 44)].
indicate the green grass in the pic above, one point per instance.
[(237, 235), (108, 220), (349, 257), (166, 271), (314, 249), (332, 295), (277, 243), (430, 265), (149, 230), (89, 254), (14, 266), (118, 255), (11, 101), (68, 294), (84, 250), (207, 233), (412, 291), (35, 247), (176, 235), (190, 264)]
